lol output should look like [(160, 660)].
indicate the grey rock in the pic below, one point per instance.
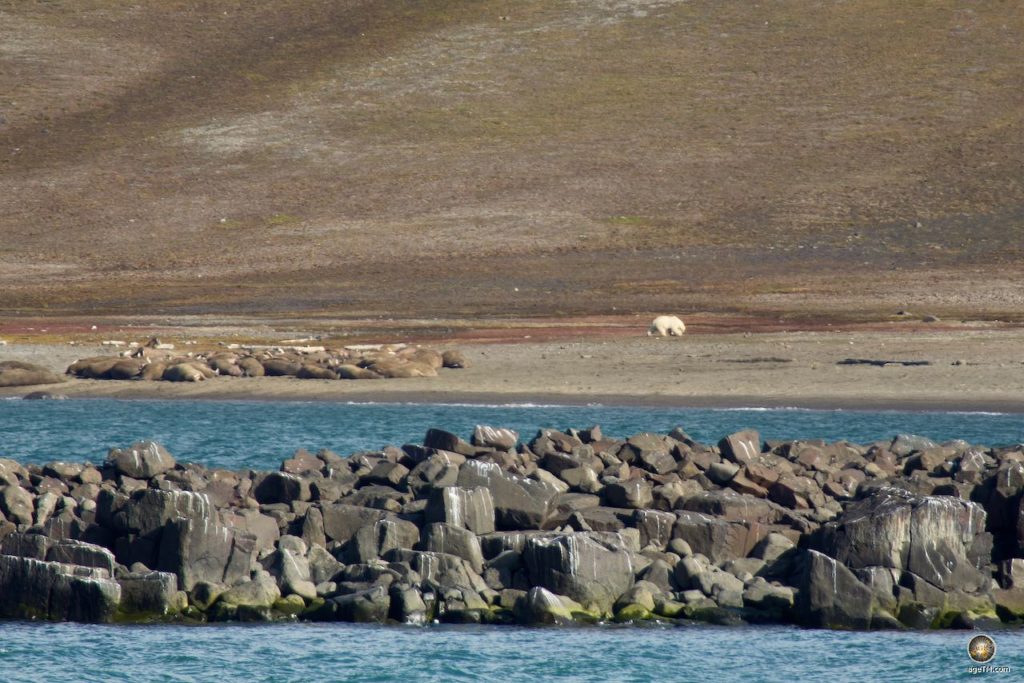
[(33, 589), (772, 600), (342, 521), (741, 447), (313, 528), (149, 592), (281, 487), (454, 540), (407, 605), (661, 574), (438, 571), (294, 574), (588, 568), (655, 527), (16, 504), (634, 493), (45, 506), (470, 508), (515, 541), (263, 527), (722, 472), (33, 546), (374, 540), (322, 565), (205, 551), (541, 606), (519, 502), (141, 460), (718, 539), (772, 547), (82, 554), (734, 507), (930, 536), (148, 510), (446, 441), (490, 437), (650, 452), (260, 591), (905, 444), (437, 471), (830, 595)]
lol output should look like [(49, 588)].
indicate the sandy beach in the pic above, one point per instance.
[(970, 367)]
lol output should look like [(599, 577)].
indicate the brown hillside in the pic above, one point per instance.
[(527, 157)]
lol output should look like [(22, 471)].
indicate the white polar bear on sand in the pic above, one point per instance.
[(666, 326)]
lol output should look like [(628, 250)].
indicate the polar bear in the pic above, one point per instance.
[(666, 326)]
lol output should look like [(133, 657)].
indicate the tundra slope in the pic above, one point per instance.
[(460, 158)]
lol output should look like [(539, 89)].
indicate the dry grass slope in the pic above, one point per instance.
[(479, 157)]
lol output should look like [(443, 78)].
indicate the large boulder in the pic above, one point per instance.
[(470, 508), (139, 521), (649, 451), (81, 554), (293, 573), (369, 606), (541, 606), (519, 502), (741, 447), (374, 540), (438, 571), (263, 527), (141, 460), (436, 471), (590, 568), (655, 527), (441, 440), (830, 595), (34, 589), (150, 593), (454, 540), (735, 507), (205, 551), (633, 493), (261, 592), (16, 504), (281, 487), (718, 539), (148, 510), (929, 536), (491, 437), (342, 521), (35, 546)]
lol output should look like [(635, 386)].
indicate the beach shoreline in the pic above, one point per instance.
[(293, 394), (971, 368)]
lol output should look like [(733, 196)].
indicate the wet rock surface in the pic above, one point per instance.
[(568, 527)]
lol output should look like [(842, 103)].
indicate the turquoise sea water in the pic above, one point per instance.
[(346, 652), (260, 435), (240, 434)]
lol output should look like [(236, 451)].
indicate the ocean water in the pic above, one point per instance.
[(32, 652), (259, 435)]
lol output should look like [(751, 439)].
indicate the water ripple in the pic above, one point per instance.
[(240, 434)]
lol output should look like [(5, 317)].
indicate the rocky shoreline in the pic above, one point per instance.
[(569, 527)]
